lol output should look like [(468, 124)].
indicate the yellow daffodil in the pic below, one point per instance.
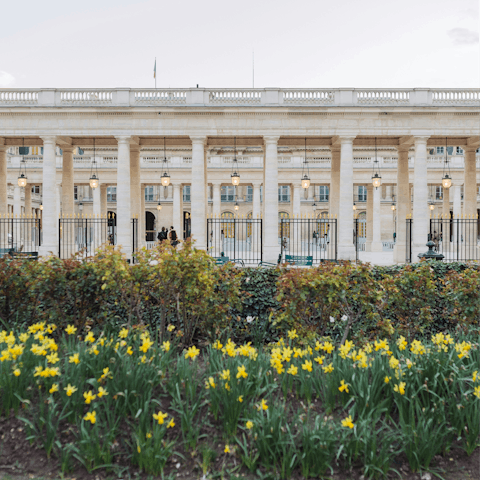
[(217, 345), (53, 358), (241, 372), (91, 416), (160, 417), (123, 333), (225, 375), (249, 425), (70, 390), (226, 449), (263, 405), (130, 350), (171, 423), (171, 328), (101, 392), (17, 372), (70, 330), (400, 388), (147, 343), (394, 363), (387, 379), (54, 388), (476, 391), (475, 375), (308, 366), (328, 368), (343, 386), (402, 343), (166, 346), (74, 358), (89, 396), (90, 338), (192, 352), (240, 398), (293, 370), (24, 337), (319, 360), (210, 383), (347, 422), (292, 334)]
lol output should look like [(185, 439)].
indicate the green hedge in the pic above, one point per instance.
[(186, 288)]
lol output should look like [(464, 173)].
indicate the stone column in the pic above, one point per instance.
[(28, 200), (217, 206), (124, 226), (421, 217), (198, 194), (377, 224), (369, 225), (49, 200), (103, 200), (409, 204), (446, 220), (297, 197), (256, 211), (470, 201), (271, 247), (142, 234), (177, 210), (334, 192), (17, 201), (58, 196), (3, 181), (68, 184), (137, 193), (346, 248), (403, 205)]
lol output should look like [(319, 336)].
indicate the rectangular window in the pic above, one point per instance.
[(362, 193), (249, 196), (459, 151), (228, 193), (438, 192), (111, 194), (323, 192), (23, 150), (75, 193), (284, 193), (36, 189), (149, 193), (186, 193), (440, 150)]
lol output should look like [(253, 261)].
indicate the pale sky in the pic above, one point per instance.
[(301, 43)]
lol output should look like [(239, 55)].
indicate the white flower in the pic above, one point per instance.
[(247, 279), (153, 263), (250, 319), (344, 317), (332, 320)]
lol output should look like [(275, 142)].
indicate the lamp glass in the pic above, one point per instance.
[(236, 207), (354, 207), (393, 208), (376, 181), (94, 182), (235, 178), (159, 206), (22, 180), (165, 179), (446, 182), (305, 182), (431, 206), (41, 206)]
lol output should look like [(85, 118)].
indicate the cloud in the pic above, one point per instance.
[(463, 36), (6, 80)]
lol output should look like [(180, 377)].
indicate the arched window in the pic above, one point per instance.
[(228, 225), (362, 225), (149, 227), (322, 224)]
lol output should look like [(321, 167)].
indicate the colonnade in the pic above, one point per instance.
[(131, 201)]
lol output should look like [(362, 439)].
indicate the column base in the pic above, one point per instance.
[(400, 252), (346, 252), (374, 247), (271, 253), (48, 250)]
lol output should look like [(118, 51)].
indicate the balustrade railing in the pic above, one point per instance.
[(120, 97)]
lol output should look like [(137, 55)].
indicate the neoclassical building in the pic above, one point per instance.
[(235, 160)]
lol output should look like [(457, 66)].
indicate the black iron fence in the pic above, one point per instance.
[(20, 234), (359, 235), (456, 237), (235, 238), (81, 235), (408, 242), (309, 237)]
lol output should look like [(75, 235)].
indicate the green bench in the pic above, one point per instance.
[(299, 260), (24, 255), (221, 260)]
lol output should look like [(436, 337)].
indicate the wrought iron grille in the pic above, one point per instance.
[(408, 242), (20, 234), (239, 239), (309, 237)]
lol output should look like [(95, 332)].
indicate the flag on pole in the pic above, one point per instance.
[(155, 69)]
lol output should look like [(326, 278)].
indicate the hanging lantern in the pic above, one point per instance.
[(354, 206), (446, 179), (393, 207), (305, 172), (376, 178), (236, 207), (165, 178), (431, 205), (159, 206), (235, 176), (22, 174), (41, 206), (94, 180)]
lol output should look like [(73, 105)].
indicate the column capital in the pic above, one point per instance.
[(67, 149), (256, 183), (342, 139), (176, 185), (403, 147), (271, 139), (198, 139), (49, 139), (216, 183), (135, 148), (3, 148), (123, 139), (470, 148), (421, 139)]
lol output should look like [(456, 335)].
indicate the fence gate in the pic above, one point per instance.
[(20, 234), (456, 238), (312, 237), (239, 239)]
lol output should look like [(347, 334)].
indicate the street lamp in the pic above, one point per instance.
[(94, 180), (159, 206), (376, 178), (165, 178), (393, 207), (41, 206), (446, 179), (22, 174), (235, 176), (354, 206), (305, 171)]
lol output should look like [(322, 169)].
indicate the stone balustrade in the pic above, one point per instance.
[(340, 97)]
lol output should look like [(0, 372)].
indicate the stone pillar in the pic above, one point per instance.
[(297, 197), (3, 181), (369, 226), (124, 227), (58, 196), (217, 206), (446, 220), (409, 204), (421, 217), (28, 200), (271, 247), (177, 210), (377, 224), (256, 211), (17, 201), (198, 194), (49, 200), (103, 200), (142, 222), (137, 193), (334, 192), (68, 183), (403, 205), (470, 201), (346, 248)]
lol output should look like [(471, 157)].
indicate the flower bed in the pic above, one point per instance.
[(127, 399)]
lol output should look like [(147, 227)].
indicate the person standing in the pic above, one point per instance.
[(162, 235), (172, 236)]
